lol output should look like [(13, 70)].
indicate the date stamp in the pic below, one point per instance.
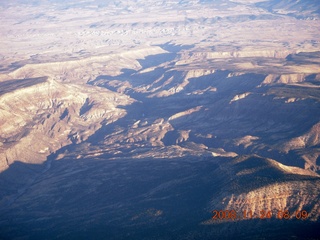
[(259, 214)]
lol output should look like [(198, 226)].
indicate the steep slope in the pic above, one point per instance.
[(116, 135), (84, 69), (38, 119), (272, 187), (142, 119)]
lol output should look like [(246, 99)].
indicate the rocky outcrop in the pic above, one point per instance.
[(239, 96), (274, 188), (220, 152), (152, 133), (86, 69), (278, 198), (245, 141), (170, 86), (185, 113), (309, 139), (39, 119), (311, 156), (146, 120), (285, 78), (249, 53), (183, 136)]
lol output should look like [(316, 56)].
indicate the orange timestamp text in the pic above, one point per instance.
[(260, 214)]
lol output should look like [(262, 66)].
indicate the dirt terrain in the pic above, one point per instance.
[(120, 116)]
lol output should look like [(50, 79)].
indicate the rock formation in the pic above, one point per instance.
[(139, 119)]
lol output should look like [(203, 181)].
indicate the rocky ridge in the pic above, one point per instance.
[(52, 115), (145, 122)]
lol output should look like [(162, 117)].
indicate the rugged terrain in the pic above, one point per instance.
[(136, 120)]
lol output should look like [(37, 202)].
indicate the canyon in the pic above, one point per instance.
[(127, 119)]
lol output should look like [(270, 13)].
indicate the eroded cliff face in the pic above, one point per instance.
[(286, 78), (274, 189), (293, 197), (40, 119), (117, 118), (84, 69), (165, 112)]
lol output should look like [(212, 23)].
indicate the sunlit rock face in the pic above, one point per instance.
[(41, 118), (142, 119)]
